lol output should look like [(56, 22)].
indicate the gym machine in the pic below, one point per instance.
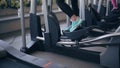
[(103, 19), (52, 41), (12, 58)]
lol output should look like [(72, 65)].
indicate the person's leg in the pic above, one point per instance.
[(75, 7), (65, 7), (75, 10), (76, 20), (67, 10), (76, 24), (115, 9), (114, 4)]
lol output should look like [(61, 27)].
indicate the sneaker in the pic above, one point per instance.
[(75, 24), (116, 11), (68, 28)]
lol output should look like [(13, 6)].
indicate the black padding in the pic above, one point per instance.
[(35, 26), (54, 28), (88, 19), (78, 34), (2, 52)]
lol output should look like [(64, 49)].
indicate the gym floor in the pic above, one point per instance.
[(15, 40)]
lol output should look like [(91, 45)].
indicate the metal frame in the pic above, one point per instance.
[(101, 58), (67, 17), (34, 31), (22, 24), (45, 10), (97, 57)]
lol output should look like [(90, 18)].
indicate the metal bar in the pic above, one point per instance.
[(25, 16), (83, 9), (107, 7), (67, 17), (33, 7), (22, 24), (40, 38), (45, 11), (93, 40), (80, 9), (49, 5), (95, 2), (49, 2), (99, 6), (98, 44)]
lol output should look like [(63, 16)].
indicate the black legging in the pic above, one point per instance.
[(67, 9)]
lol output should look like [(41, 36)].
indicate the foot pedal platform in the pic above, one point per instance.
[(77, 34)]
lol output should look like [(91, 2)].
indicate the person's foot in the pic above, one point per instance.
[(68, 28), (116, 11), (75, 24)]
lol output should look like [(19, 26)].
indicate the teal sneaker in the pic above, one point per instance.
[(68, 28), (75, 24)]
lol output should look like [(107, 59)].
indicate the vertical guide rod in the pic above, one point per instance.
[(95, 2), (49, 5), (45, 12), (99, 5), (82, 9), (33, 7), (107, 7), (22, 24), (67, 17)]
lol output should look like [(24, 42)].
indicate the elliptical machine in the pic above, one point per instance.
[(108, 20), (52, 42)]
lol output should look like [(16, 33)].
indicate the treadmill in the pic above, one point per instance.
[(12, 58)]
